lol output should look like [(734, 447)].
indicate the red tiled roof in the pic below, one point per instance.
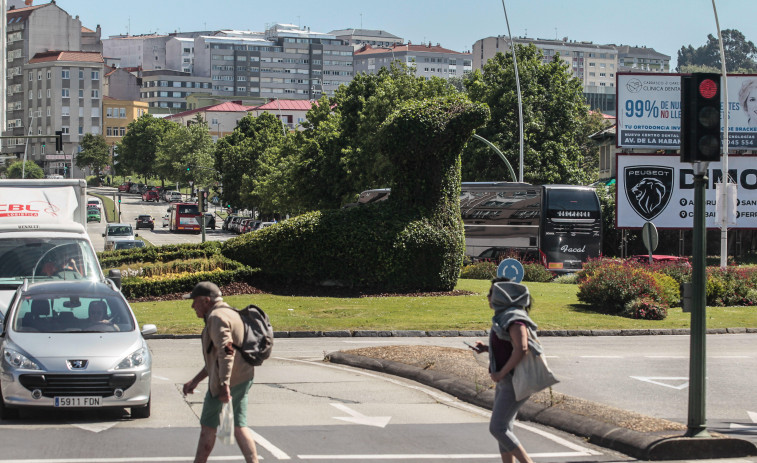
[(20, 14), (227, 106), (369, 50), (286, 105), (86, 29), (80, 56)]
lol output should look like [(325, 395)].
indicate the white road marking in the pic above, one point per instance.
[(730, 357), (122, 460), (601, 357), (666, 356), (753, 417), (447, 401), (657, 380), (94, 427), (426, 456), (358, 418), (266, 444)]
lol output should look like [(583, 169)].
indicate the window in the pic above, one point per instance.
[(49, 74), (48, 93), (122, 113), (109, 132), (121, 131), (81, 93), (95, 75), (31, 76), (39, 75), (96, 112), (31, 94), (95, 93), (109, 112), (81, 130), (65, 110), (81, 74), (64, 129)]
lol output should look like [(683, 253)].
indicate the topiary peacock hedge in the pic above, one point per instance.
[(412, 241)]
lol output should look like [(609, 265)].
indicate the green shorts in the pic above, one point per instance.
[(211, 407)]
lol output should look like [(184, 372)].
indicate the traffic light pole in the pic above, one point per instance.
[(697, 422)]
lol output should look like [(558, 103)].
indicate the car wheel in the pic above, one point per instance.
[(141, 412)]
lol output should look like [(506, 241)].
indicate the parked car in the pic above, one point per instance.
[(226, 221), (644, 259), (150, 195), (136, 188), (166, 220), (145, 221), (74, 344), (265, 224), (234, 224), (93, 214), (124, 187), (128, 244), (118, 232)]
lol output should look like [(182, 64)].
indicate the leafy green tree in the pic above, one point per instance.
[(33, 170), (236, 157), (740, 53), (137, 150), (95, 153), (555, 120), (185, 154)]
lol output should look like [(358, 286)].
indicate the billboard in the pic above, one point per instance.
[(649, 111), (660, 189)]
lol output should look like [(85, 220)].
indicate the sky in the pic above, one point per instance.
[(665, 25)]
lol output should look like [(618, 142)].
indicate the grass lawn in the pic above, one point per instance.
[(555, 306)]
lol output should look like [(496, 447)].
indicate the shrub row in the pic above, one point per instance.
[(142, 287), (487, 270), (165, 253), (147, 270)]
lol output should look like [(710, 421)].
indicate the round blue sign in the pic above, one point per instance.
[(512, 269)]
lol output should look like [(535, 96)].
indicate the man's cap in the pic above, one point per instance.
[(204, 288)]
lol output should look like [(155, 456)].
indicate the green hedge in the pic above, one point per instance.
[(165, 253), (412, 241), (140, 287)]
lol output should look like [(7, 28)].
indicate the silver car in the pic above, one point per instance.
[(73, 344)]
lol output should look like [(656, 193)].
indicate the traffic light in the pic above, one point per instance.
[(119, 199), (58, 140), (201, 201), (700, 117)]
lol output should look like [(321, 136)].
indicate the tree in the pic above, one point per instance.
[(740, 54), (236, 156), (556, 121), (32, 170), (185, 154), (137, 150), (95, 153)]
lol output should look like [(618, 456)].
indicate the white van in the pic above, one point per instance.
[(174, 196), (118, 232)]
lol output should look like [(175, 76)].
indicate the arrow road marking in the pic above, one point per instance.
[(751, 428), (359, 418), (654, 380)]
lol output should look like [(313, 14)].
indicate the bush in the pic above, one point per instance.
[(611, 286), (567, 279), (670, 289), (166, 253), (479, 271), (142, 287), (537, 273), (731, 286), (645, 309)]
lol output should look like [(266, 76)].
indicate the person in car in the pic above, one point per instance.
[(98, 317)]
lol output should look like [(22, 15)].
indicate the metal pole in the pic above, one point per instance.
[(725, 179), (697, 422), (520, 101)]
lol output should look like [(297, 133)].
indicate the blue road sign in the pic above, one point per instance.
[(512, 269)]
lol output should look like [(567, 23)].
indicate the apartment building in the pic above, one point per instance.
[(118, 114), (429, 60), (63, 92), (291, 113), (166, 91), (359, 37), (593, 64), (284, 61)]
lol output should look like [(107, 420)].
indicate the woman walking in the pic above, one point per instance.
[(508, 344)]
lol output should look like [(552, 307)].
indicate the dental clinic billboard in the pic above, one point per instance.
[(660, 189), (649, 111)]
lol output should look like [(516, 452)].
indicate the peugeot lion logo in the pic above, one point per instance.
[(77, 364), (648, 189)]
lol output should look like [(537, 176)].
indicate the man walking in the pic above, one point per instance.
[(229, 376)]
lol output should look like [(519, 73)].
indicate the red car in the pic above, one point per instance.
[(150, 195), (124, 187), (644, 259)]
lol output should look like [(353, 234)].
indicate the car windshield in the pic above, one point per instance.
[(144, 217), (50, 313), (46, 259), (122, 230)]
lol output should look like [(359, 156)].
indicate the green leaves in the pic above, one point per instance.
[(95, 153)]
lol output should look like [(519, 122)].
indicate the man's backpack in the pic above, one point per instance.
[(258, 335)]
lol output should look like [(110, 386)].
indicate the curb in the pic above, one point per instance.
[(643, 446), (471, 333)]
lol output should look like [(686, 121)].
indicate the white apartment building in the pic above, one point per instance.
[(166, 91), (359, 37), (428, 60)]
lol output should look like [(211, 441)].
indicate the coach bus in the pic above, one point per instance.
[(560, 225), (184, 217)]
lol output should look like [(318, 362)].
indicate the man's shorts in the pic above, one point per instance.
[(211, 407)]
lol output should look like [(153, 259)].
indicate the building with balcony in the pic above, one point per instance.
[(63, 91), (359, 37), (428, 60), (166, 91)]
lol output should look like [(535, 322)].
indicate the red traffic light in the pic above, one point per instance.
[(708, 88)]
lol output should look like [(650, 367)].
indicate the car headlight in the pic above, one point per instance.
[(18, 360), (135, 359)]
